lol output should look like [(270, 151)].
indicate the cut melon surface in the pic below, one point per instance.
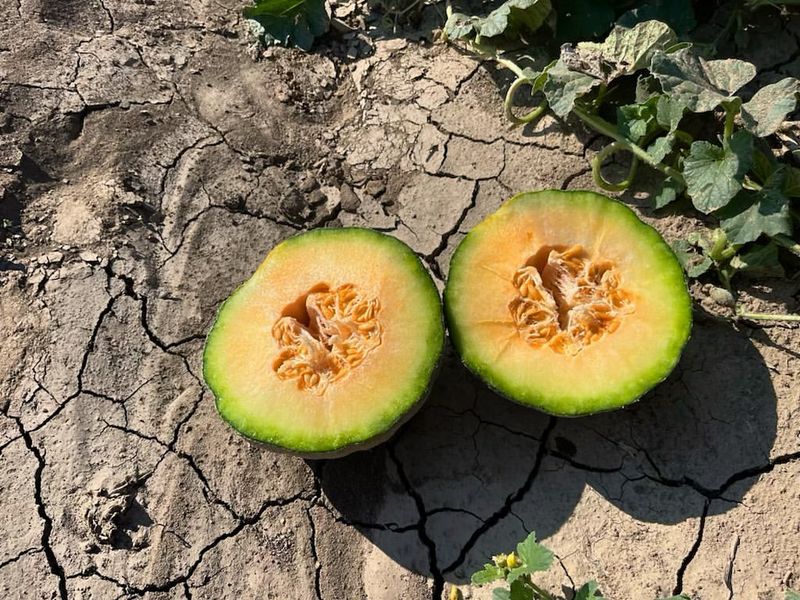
[(329, 346), (567, 302)]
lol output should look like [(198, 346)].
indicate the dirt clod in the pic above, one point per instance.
[(349, 201)]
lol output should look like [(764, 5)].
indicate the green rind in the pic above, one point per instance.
[(408, 401), (567, 405)]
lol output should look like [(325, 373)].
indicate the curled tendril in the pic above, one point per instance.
[(597, 165), (508, 104)]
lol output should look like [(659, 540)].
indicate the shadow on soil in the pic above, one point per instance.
[(472, 472)]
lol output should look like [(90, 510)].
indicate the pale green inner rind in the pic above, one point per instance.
[(408, 391), (627, 388)]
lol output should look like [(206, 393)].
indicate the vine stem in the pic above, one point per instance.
[(730, 117), (511, 66), (607, 129), (767, 316), (597, 165), (508, 104), (600, 125), (788, 243), (542, 594)]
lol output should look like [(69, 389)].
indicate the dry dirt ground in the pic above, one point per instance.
[(148, 163)]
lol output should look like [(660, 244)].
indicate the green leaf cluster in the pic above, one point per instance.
[(289, 22), (638, 87), (505, 27), (515, 571), (513, 21)]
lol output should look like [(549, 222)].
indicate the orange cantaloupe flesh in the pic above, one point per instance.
[(605, 374), (371, 399)]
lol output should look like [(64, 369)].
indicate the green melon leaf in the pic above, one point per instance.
[(518, 591), (459, 26), (790, 595), (501, 594), (505, 25), (534, 556), (759, 261), (767, 109), (588, 591), (764, 165), (769, 171), (661, 147), (791, 181), (693, 262), (487, 574), (729, 74), (670, 189), (752, 214), (521, 591), (714, 174), (636, 121), (647, 86), (704, 242), (515, 16), (669, 112), (701, 85), (564, 86), (625, 50), (288, 22)]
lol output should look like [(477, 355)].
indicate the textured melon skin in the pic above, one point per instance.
[(377, 437), (555, 406), (343, 451)]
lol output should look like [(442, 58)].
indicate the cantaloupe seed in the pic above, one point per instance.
[(331, 338), (566, 300)]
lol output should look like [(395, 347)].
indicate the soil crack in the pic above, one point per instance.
[(111, 25), (728, 577), (22, 554), (692, 551), (47, 528), (431, 258), (512, 499), (427, 541)]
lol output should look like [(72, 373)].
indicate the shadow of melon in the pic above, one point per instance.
[(469, 475)]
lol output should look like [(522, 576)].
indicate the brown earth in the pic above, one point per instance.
[(148, 162)]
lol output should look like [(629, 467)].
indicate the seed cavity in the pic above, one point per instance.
[(326, 339), (567, 301)]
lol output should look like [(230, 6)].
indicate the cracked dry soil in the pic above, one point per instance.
[(147, 165)]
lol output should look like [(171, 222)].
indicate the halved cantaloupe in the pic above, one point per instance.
[(567, 302), (329, 346)]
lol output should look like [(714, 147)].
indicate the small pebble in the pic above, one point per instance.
[(722, 297), (89, 257), (316, 198), (375, 187), (51, 258), (307, 184), (350, 202), (36, 279)]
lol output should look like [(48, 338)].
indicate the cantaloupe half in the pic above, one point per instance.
[(567, 302), (329, 346)]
